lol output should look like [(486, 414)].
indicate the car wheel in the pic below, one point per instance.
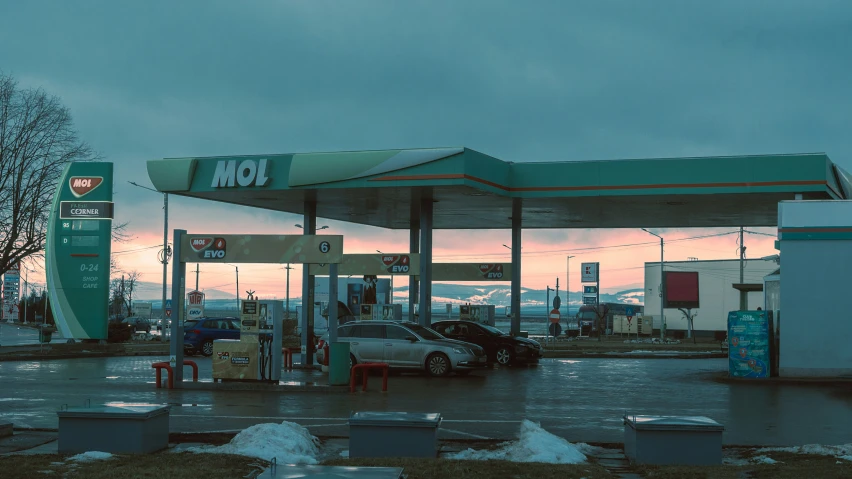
[(207, 348), (505, 356), (438, 365), (352, 360)]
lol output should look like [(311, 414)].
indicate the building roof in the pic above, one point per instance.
[(472, 190)]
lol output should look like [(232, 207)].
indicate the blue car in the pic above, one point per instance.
[(198, 334)]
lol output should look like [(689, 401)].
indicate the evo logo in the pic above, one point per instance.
[(208, 248), (83, 185), (229, 174)]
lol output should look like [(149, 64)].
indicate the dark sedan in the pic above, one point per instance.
[(500, 347)]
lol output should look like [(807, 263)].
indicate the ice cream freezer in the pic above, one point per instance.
[(673, 440)]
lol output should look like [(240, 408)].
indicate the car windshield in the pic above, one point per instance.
[(189, 324), (492, 330), (423, 332)]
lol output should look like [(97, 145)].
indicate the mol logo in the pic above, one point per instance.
[(209, 248), (229, 174), (83, 185), (491, 271)]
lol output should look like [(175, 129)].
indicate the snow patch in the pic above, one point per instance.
[(839, 451), (288, 443), (763, 460), (91, 456), (344, 453), (534, 445)]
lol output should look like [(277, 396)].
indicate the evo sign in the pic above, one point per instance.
[(231, 173)]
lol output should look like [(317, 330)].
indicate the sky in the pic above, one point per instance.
[(520, 81)]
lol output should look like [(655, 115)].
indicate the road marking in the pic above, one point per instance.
[(287, 418), (475, 436)]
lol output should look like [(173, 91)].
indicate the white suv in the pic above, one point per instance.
[(404, 345)]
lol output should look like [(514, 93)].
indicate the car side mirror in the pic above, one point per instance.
[(411, 338)]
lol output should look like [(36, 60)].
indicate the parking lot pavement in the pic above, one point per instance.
[(16, 335), (582, 400)]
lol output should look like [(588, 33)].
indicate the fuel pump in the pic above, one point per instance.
[(252, 357)]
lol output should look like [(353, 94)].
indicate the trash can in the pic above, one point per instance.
[(673, 440), (115, 429), (393, 434), (45, 333)]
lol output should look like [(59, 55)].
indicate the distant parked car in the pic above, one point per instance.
[(405, 345), (501, 348), (159, 322), (199, 334), (141, 324)]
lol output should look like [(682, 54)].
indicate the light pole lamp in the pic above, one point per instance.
[(320, 228), (662, 261), (165, 254)]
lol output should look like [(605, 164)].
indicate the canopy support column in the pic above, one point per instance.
[(176, 328), (306, 321), (426, 207), (413, 248), (516, 267)]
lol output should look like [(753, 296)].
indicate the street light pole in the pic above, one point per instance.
[(166, 255), (662, 261), (287, 302), (568, 288)]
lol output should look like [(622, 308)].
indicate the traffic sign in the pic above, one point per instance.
[(168, 304), (556, 303), (590, 300), (169, 313), (629, 311), (590, 289), (555, 316)]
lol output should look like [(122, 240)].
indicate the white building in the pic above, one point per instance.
[(717, 295)]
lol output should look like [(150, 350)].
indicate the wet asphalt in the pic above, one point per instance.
[(582, 400), (14, 335)]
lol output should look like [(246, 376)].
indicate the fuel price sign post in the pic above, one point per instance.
[(77, 250)]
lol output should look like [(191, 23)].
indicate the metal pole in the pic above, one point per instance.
[(568, 288), (165, 265), (426, 213), (662, 312), (743, 294), (237, 268), (196, 276), (26, 288), (517, 212)]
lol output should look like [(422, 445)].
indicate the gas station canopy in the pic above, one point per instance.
[(471, 190)]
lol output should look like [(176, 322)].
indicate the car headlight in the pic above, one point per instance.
[(461, 351)]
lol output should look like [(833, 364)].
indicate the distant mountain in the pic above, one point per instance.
[(442, 293), (147, 290)]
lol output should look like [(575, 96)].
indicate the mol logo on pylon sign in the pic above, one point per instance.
[(398, 264), (491, 271), (83, 185), (208, 247)]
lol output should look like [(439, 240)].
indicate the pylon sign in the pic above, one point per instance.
[(79, 234), (195, 307)]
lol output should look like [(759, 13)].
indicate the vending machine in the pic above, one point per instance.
[(252, 357)]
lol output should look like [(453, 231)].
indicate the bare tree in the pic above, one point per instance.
[(37, 140), (122, 292)]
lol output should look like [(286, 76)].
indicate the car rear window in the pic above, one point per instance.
[(190, 324)]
